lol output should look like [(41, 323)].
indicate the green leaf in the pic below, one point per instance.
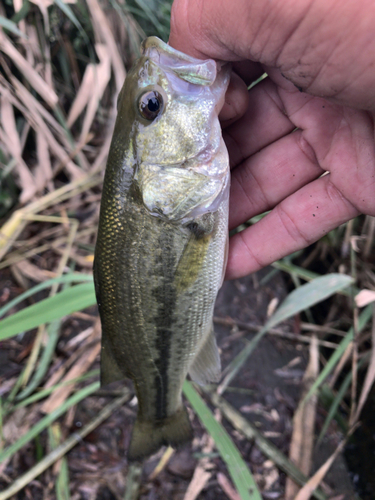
[(65, 279), (22, 13), (290, 268), (363, 319), (308, 295), (43, 393), (335, 405), (240, 473), (62, 304), (53, 331), (69, 14), (47, 420), (301, 298), (250, 431), (9, 25), (305, 274), (62, 481)]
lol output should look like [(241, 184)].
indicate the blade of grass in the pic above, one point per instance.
[(304, 419), (53, 330), (135, 32), (133, 481), (308, 295), (102, 25), (10, 135), (1, 424), (289, 268), (81, 366), (149, 15), (102, 75), (326, 399), (46, 392), (302, 298), (62, 304), (269, 449), (72, 17), (363, 319), (335, 405), (13, 227), (61, 450), (240, 474), (333, 410), (22, 13), (9, 25), (66, 278), (62, 481), (370, 375), (37, 116), (312, 484), (26, 68), (258, 80), (47, 420), (306, 274), (70, 14), (163, 462)]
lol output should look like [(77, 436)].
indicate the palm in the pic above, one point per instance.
[(280, 168), (285, 139)]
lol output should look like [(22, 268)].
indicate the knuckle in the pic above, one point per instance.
[(291, 227), (252, 256)]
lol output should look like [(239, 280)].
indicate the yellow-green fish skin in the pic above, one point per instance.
[(161, 248)]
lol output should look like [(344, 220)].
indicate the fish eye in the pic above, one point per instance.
[(150, 104)]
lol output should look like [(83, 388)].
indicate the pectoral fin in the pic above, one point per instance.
[(195, 251), (206, 366), (225, 261)]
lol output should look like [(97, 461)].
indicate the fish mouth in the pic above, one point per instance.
[(208, 161), (201, 159)]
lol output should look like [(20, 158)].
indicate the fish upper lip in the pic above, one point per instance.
[(165, 164)]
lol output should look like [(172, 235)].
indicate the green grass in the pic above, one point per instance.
[(82, 295), (237, 468), (67, 47)]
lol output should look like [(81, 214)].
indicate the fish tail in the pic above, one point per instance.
[(149, 436)]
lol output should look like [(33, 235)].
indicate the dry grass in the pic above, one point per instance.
[(57, 109), (61, 67)]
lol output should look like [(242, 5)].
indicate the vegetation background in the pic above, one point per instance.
[(62, 65)]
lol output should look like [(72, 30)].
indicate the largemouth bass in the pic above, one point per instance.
[(163, 232)]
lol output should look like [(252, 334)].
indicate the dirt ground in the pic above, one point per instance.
[(266, 391)]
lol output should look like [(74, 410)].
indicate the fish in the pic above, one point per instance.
[(162, 239)]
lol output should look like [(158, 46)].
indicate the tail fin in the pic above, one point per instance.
[(149, 436)]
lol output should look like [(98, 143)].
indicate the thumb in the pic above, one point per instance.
[(325, 47)]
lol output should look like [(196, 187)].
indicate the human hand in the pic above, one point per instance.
[(309, 48)]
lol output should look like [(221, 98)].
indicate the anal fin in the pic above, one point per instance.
[(109, 369), (206, 366)]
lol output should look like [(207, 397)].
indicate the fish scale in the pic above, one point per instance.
[(163, 230)]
